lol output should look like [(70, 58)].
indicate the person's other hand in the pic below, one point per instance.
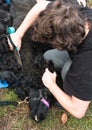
[(82, 2), (49, 78), (16, 40)]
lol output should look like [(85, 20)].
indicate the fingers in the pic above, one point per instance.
[(15, 40), (47, 70), (11, 48), (82, 2)]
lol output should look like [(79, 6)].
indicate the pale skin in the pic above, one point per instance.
[(72, 104)]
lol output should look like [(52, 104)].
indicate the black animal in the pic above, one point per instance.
[(40, 98), (31, 86)]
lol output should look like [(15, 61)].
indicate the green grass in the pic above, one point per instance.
[(18, 118), (10, 95), (89, 3)]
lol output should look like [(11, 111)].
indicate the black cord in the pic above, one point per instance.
[(5, 103)]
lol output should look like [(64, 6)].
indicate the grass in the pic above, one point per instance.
[(18, 118), (90, 3)]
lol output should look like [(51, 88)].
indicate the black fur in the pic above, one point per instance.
[(25, 85)]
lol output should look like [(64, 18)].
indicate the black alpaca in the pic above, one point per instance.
[(25, 84), (40, 99), (10, 71)]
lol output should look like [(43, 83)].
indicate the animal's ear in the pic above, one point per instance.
[(51, 66)]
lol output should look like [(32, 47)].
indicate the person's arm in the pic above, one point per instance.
[(28, 21), (73, 105), (31, 17)]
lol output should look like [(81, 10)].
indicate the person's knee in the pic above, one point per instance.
[(51, 55), (48, 55), (59, 58)]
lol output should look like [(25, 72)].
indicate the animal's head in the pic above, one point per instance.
[(40, 97), (39, 103)]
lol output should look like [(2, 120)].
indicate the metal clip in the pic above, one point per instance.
[(24, 101)]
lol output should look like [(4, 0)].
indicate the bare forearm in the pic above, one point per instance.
[(64, 99), (69, 102), (31, 17)]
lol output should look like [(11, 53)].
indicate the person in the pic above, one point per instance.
[(69, 30), (30, 18)]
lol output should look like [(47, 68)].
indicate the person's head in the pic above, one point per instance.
[(61, 24)]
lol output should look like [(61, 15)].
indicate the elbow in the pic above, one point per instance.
[(79, 115)]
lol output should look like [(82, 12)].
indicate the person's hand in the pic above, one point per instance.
[(48, 78), (82, 2), (16, 40)]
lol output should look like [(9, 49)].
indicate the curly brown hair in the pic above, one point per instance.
[(61, 25)]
